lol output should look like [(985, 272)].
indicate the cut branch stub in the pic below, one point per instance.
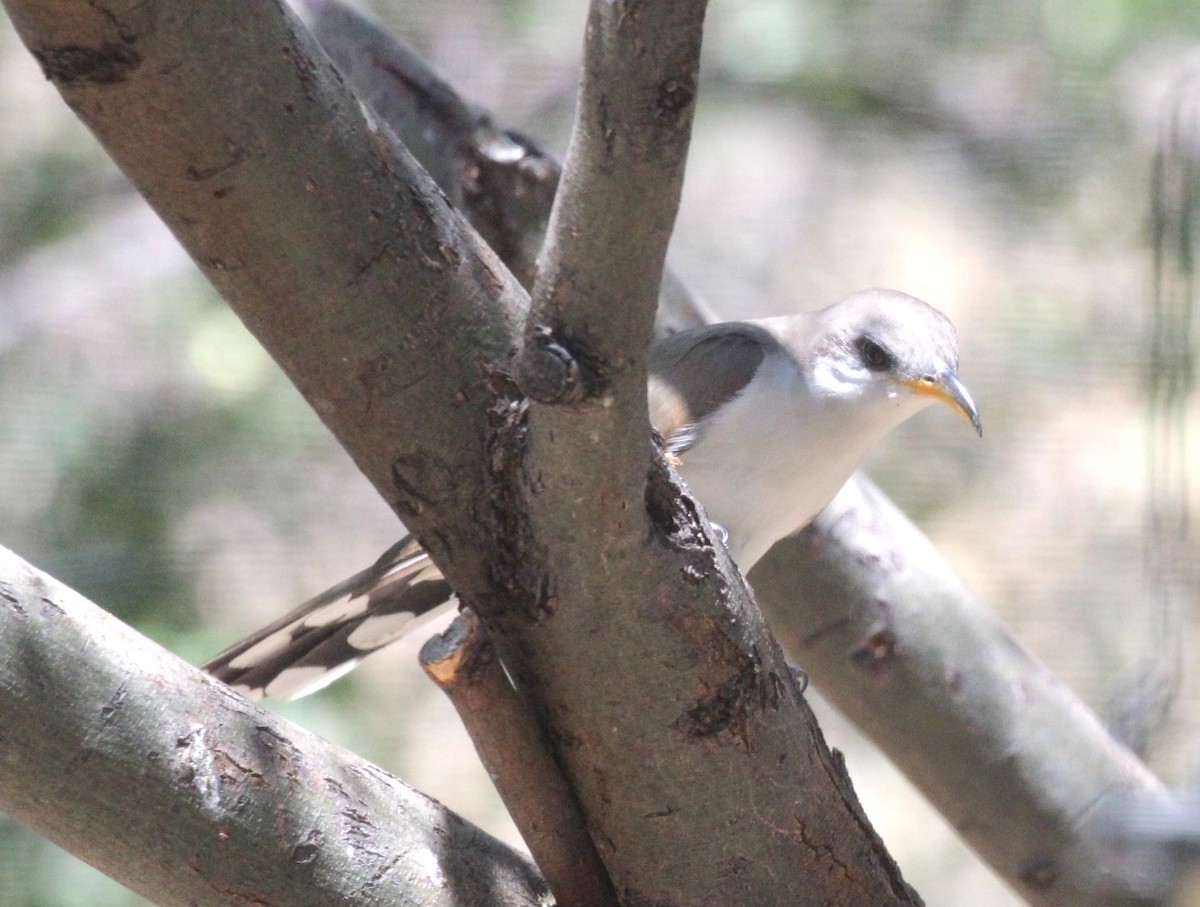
[(547, 372)]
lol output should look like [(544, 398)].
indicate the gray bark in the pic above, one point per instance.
[(190, 795), (501, 181), (1020, 767)]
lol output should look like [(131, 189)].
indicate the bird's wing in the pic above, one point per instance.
[(694, 372), (330, 634)]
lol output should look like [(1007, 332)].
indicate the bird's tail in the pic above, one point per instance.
[(330, 634)]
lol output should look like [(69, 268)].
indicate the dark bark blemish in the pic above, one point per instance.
[(726, 709), (386, 376), (420, 480), (676, 520), (222, 265), (433, 239), (229, 156), (1040, 874), (73, 64), (674, 97), (525, 589), (607, 131), (14, 601), (113, 705), (876, 651), (309, 849), (306, 69)]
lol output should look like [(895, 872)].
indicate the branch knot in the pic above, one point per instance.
[(546, 371)]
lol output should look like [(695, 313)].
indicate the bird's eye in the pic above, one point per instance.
[(874, 357)]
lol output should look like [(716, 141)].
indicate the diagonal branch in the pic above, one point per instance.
[(190, 795), (325, 236), (501, 182), (1001, 747)]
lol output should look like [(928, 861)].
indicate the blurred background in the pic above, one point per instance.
[(994, 159)]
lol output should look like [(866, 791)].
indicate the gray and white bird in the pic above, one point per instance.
[(765, 421)]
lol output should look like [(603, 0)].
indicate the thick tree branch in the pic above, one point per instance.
[(503, 183), (667, 697), (700, 769), (190, 795), (1003, 749), (325, 236)]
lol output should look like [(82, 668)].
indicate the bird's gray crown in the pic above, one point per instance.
[(887, 330)]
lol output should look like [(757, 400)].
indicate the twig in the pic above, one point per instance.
[(464, 664)]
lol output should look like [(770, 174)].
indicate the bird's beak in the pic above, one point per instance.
[(949, 390)]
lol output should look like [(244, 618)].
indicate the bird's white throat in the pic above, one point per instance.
[(780, 451)]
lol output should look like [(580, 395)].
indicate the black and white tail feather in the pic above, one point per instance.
[(328, 635)]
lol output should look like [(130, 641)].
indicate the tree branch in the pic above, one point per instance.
[(602, 263), (327, 239), (499, 179), (666, 696), (464, 664), (190, 795), (606, 242), (1008, 754)]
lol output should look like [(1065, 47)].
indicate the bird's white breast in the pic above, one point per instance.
[(776, 455)]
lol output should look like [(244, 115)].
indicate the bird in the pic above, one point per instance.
[(764, 421)]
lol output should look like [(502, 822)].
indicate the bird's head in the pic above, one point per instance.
[(891, 352)]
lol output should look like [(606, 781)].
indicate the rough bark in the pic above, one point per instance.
[(395, 321), (331, 244), (633, 664), (190, 795)]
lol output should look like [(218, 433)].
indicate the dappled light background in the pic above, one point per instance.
[(992, 158)]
